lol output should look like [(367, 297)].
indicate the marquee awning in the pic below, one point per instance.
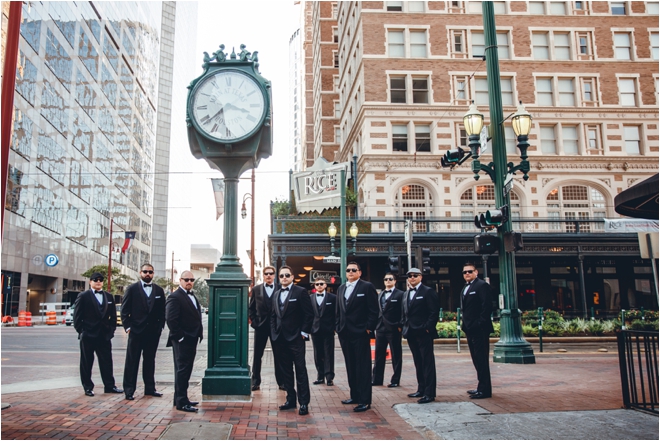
[(640, 200)]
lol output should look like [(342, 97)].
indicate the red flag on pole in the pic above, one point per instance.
[(128, 241)]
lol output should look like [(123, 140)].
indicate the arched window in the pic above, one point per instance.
[(576, 202), (415, 202), (484, 200)]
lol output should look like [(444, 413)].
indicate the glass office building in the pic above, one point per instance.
[(89, 138)]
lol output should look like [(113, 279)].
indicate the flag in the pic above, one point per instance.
[(128, 241), (219, 192)]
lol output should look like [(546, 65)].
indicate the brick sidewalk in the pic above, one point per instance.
[(557, 382)]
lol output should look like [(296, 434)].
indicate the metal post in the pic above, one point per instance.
[(252, 257), (582, 285), (342, 224), (540, 329), (512, 347), (623, 319), (172, 273), (110, 258), (355, 187), (458, 330)]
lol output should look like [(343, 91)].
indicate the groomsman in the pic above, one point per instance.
[(290, 324), (420, 315), (388, 332), (323, 332), (260, 309), (143, 318), (357, 315)]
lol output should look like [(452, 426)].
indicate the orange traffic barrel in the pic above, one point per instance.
[(388, 354), (21, 318), (28, 318), (51, 318), (7, 319)]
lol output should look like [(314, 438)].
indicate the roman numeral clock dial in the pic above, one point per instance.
[(228, 106)]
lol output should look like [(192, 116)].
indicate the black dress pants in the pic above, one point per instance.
[(291, 354), (144, 344), (324, 355), (392, 338), (103, 350), (357, 356), (184, 359), (479, 342), (261, 337), (421, 346)]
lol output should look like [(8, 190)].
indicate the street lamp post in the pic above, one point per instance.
[(243, 215)]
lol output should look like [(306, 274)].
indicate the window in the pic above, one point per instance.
[(420, 90), (399, 137), (622, 46), (589, 97), (618, 8), (457, 42), (576, 203), (404, 6), (336, 59), (478, 44), (551, 8), (510, 140), (337, 135), (585, 51), (506, 86), (397, 43), (337, 110), (652, 8), (422, 137), (481, 91), (398, 89), (462, 135), (396, 46), (631, 137), (461, 91), (566, 92), (562, 46), (558, 8), (536, 8), (654, 45), (594, 146), (569, 135), (480, 198), (418, 44), (335, 35), (503, 46), (394, 6), (400, 85), (415, 6), (627, 92), (544, 92), (417, 204), (540, 46), (548, 143)]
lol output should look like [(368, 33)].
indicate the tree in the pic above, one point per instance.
[(202, 292), (119, 281), (165, 283)]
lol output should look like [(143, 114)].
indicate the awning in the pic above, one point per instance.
[(640, 200)]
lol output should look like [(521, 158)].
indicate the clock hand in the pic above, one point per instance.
[(237, 108)]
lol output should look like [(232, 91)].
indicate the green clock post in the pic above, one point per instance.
[(229, 125)]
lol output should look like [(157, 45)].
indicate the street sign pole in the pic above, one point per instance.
[(408, 233)]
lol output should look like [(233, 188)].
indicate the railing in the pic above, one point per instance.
[(437, 225), (638, 363)]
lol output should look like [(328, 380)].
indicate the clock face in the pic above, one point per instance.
[(228, 105)]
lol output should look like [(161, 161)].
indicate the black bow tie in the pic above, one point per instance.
[(413, 290), (189, 293), (320, 295), (147, 285), (385, 292), (285, 289), (98, 292), (269, 286)]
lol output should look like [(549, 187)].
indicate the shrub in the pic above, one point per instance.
[(530, 331), (448, 316), (447, 329), (595, 327), (496, 332), (609, 326)]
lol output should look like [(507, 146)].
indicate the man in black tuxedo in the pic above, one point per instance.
[(261, 302), (290, 324), (143, 318), (420, 315), (357, 316), (388, 332), (323, 332), (477, 325), (95, 320), (184, 319)]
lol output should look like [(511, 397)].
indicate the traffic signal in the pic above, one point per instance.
[(452, 157), (403, 263), (393, 263), (486, 244), (423, 259), (513, 241), (492, 218)]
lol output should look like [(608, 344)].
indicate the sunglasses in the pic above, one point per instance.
[(412, 276), (97, 280), (148, 272), (284, 276), (468, 271), (320, 284), (188, 280), (269, 274), (388, 279), (352, 270)]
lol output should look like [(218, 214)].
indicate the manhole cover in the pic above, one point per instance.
[(209, 431)]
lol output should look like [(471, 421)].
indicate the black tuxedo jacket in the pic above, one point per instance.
[(139, 311), (183, 319), (92, 320), (295, 317), (421, 313), (360, 314), (324, 314), (391, 315), (477, 306), (261, 306)]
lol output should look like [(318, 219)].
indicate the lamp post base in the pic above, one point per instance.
[(512, 347)]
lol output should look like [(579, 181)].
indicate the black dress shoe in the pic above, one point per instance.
[(362, 408), (193, 403), (89, 393), (393, 385), (425, 400), (416, 395), (114, 390), (130, 397), (376, 384), (288, 405), (282, 388), (154, 394), (479, 396), (319, 381), (472, 391), (187, 408), (303, 410), (255, 387), (330, 383), (349, 401)]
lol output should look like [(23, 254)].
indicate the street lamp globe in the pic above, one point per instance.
[(332, 230), (473, 120), (243, 211), (353, 230), (521, 121)]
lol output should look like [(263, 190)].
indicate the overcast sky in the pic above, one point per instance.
[(266, 27)]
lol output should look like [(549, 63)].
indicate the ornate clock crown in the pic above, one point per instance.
[(220, 56)]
